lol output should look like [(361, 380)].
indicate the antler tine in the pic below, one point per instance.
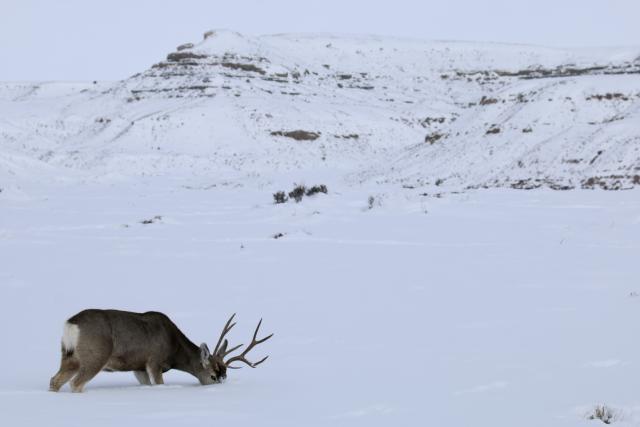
[(259, 362), (242, 356), (225, 330), (255, 334), (231, 350)]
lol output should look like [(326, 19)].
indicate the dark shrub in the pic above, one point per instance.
[(317, 189), (151, 220), (279, 197), (297, 193), (432, 138)]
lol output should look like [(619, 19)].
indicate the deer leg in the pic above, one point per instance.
[(142, 377), (155, 373), (92, 358), (68, 368), (85, 374)]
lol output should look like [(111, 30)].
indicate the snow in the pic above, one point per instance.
[(374, 101), (493, 307), (394, 298)]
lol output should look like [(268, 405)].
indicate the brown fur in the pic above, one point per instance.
[(146, 343)]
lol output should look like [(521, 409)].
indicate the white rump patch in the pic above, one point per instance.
[(70, 336)]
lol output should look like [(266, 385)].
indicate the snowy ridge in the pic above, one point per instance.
[(411, 112)]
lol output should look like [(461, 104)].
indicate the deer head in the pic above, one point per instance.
[(214, 367)]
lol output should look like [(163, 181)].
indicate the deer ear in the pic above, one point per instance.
[(204, 354)]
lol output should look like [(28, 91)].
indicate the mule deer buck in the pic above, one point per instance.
[(148, 344)]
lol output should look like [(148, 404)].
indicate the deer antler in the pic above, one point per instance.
[(225, 330), (241, 357)]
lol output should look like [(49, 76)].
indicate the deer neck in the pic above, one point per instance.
[(187, 359)]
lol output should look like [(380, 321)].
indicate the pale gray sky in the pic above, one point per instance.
[(89, 40)]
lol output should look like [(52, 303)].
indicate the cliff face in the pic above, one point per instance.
[(446, 114)]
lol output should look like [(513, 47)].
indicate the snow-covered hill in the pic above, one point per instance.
[(377, 109)]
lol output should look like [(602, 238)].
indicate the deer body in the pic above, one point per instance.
[(146, 343)]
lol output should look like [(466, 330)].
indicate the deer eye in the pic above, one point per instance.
[(213, 377)]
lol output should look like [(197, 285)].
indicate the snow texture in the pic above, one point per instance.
[(409, 294), (385, 110)]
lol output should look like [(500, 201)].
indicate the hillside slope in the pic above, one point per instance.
[(410, 112)]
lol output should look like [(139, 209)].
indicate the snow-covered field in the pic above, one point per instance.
[(493, 307), (423, 289)]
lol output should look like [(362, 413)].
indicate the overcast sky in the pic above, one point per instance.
[(108, 40)]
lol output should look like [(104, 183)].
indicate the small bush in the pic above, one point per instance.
[(493, 130), (602, 413), (317, 189), (371, 202), (151, 220), (434, 137), (280, 197), (297, 193), (608, 97)]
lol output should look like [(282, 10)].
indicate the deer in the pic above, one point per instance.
[(148, 344)]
